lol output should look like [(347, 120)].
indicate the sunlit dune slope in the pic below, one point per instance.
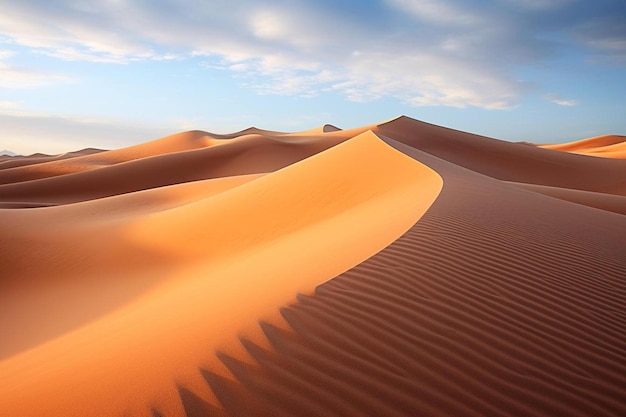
[(608, 146), (393, 269), (178, 280)]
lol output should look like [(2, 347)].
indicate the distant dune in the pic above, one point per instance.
[(396, 269), (608, 146)]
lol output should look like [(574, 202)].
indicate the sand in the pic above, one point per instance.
[(607, 146), (398, 268)]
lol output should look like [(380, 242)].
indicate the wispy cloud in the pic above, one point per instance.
[(16, 76), (31, 132), (556, 99), (439, 12), (424, 52), (606, 36), (8, 105), (540, 5)]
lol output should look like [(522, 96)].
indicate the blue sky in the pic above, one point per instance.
[(111, 73)]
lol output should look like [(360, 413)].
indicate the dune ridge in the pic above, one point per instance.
[(394, 269)]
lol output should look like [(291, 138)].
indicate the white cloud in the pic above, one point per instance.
[(4, 54), (15, 76), (425, 79), (269, 25), (540, 5), (74, 31), (438, 11), (425, 52), (8, 105), (556, 99), (606, 36)]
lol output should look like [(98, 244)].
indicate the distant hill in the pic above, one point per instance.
[(5, 152)]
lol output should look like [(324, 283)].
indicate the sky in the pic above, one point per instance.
[(112, 73)]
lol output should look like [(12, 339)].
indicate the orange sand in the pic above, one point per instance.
[(393, 269), (608, 146)]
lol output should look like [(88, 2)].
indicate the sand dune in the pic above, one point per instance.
[(608, 202), (509, 161), (396, 269), (13, 162), (107, 175), (90, 160), (608, 146)]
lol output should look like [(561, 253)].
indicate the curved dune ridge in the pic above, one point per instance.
[(395, 269)]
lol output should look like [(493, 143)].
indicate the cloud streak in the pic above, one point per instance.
[(556, 99), (423, 52), (16, 76), (37, 132)]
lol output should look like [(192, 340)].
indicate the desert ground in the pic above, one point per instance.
[(395, 269)]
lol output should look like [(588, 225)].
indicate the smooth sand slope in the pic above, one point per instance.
[(394, 269), (608, 146)]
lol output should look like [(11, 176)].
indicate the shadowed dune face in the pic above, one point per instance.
[(394, 269), (510, 161)]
